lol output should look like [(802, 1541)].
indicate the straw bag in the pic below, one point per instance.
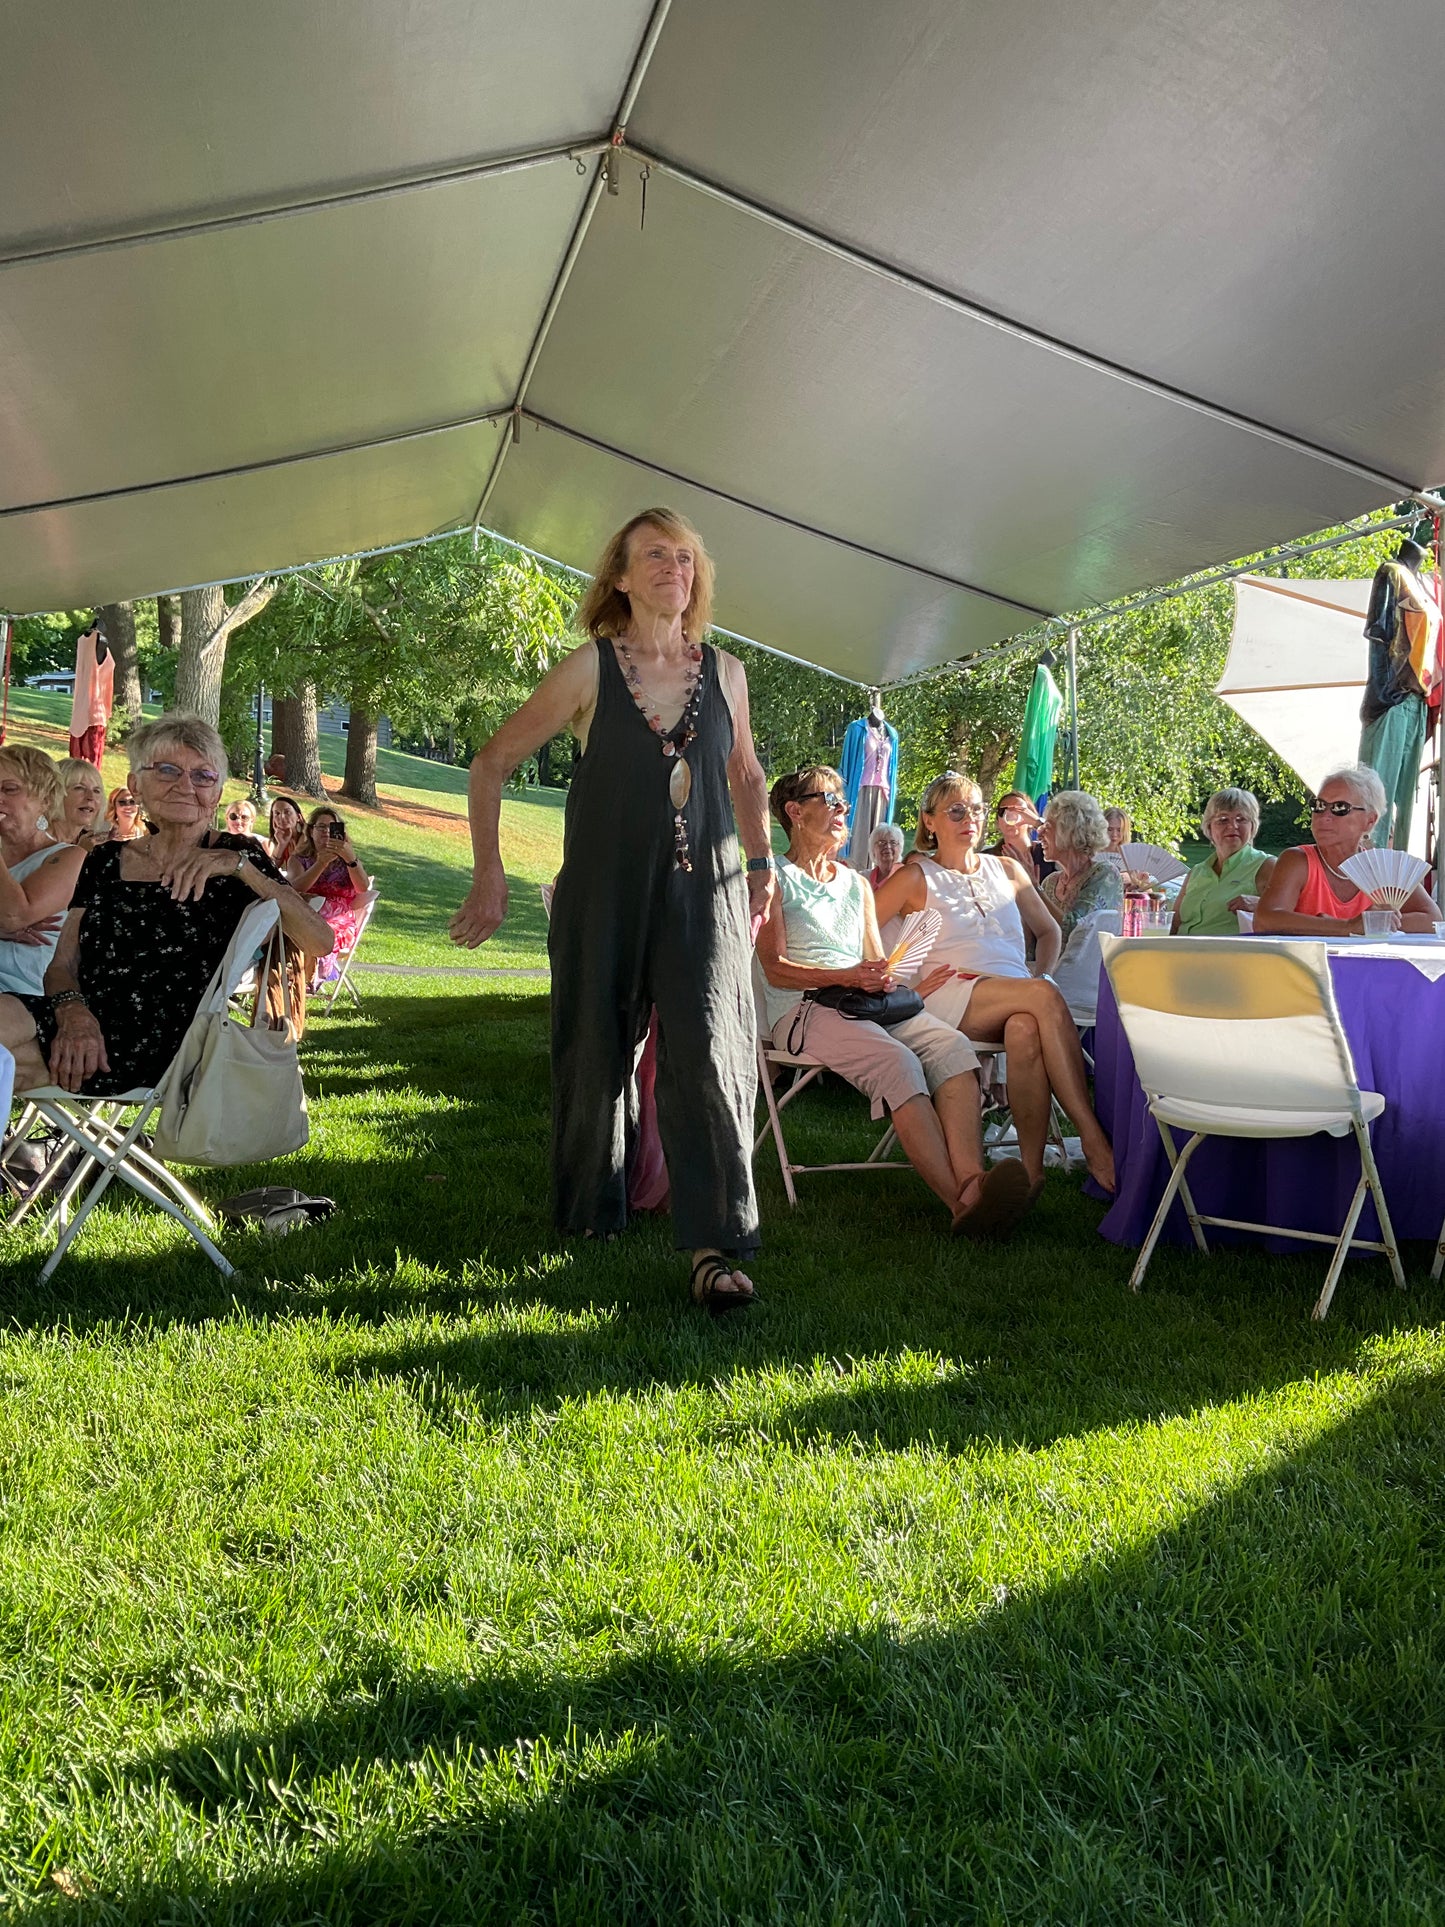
[(233, 1093)]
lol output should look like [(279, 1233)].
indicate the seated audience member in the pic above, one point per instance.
[(1233, 878), (324, 864), (149, 922), (976, 979), (1014, 821), (1075, 837), (822, 932), (80, 818), (1121, 830), (1308, 895), (241, 820), (37, 869), (885, 846), (123, 815), (286, 827)]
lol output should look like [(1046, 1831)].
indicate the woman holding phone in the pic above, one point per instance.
[(326, 865)]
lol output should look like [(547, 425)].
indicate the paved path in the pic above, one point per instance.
[(449, 970)]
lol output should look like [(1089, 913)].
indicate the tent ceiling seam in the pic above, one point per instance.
[(518, 163), (786, 521), (255, 468), (1018, 330), (636, 73)]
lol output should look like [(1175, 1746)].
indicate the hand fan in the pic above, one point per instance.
[(1387, 877), (1149, 860), (916, 937)]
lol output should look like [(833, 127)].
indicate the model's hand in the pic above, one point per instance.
[(79, 1049), (482, 912), (762, 888)]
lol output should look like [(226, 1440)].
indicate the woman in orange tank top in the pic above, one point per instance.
[(1309, 895)]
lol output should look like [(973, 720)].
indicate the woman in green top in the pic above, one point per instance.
[(1233, 878)]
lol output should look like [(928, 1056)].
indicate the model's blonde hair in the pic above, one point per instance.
[(38, 773), (952, 783), (605, 611)]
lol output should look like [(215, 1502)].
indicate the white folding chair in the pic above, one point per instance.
[(110, 1147), (1240, 1037), (806, 1070), (366, 907)]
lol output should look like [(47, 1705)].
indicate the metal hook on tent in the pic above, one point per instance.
[(645, 177), (613, 163)]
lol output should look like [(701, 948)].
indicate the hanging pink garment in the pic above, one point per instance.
[(93, 700), (648, 1185)]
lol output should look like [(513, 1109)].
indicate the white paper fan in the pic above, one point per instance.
[(1387, 877), (916, 937), (1147, 859)]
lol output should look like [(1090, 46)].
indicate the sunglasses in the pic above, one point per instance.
[(956, 812), (126, 803), (830, 797), (172, 773), (235, 816), (1319, 807)]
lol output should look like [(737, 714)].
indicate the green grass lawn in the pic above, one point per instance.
[(433, 1570)]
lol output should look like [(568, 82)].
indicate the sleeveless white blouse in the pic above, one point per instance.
[(982, 934)]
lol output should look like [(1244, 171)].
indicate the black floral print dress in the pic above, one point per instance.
[(145, 960)]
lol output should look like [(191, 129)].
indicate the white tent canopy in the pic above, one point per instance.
[(940, 319), (1296, 674)]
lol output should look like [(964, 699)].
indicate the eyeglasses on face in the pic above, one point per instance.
[(1319, 807), (956, 812), (830, 797), (172, 774), (126, 803), (237, 816)]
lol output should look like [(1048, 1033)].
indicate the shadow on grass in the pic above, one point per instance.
[(443, 1214), (420, 894), (1236, 1720)]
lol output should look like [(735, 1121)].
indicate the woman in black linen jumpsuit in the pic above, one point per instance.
[(650, 907)]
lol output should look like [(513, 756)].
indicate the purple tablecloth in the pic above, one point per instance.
[(1395, 1022)]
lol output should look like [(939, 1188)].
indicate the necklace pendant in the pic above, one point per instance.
[(669, 748), (679, 784)]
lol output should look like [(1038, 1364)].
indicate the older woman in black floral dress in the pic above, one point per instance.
[(148, 924)]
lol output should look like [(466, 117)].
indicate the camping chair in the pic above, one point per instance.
[(112, 1148), (1240, 1037), (328, 993)]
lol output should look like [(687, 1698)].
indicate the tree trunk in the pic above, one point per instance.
[(206, 627), (168, 621), (117, 619), (360, 780), (302, 752)]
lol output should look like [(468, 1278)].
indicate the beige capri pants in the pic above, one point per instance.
[(912, 1059)]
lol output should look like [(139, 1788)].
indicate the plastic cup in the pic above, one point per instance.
[(1379, 923), (1440, 932)]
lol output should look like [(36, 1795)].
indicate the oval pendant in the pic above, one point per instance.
[(679, 784)]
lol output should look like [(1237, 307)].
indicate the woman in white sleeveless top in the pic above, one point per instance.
[(976, 976)]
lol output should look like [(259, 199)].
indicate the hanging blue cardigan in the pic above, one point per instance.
[(850, 768)]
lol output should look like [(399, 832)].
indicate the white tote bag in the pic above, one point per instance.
[(233, 1092)]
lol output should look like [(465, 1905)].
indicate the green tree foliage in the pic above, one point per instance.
[(435, 637)]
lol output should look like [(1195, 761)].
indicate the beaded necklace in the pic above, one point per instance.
[(674, 741)]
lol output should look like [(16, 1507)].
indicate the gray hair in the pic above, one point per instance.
[(176, 731), (1367, 787), (888, 833), (1078, 822), (1232, 799)]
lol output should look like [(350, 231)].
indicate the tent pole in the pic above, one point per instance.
[(1073, 708)]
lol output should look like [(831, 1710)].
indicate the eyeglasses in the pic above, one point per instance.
[(236, 816), (1319, 807), (956, 812), (830, 797), (172, 774), (126, 803)]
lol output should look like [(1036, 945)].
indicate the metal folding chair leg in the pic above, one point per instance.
[(1369, 1185), (1178, 1162)]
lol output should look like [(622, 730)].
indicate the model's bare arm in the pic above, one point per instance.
[(564, 694), (1047, 932), (748, 785)]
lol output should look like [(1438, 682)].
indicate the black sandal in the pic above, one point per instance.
[(704, 1289)]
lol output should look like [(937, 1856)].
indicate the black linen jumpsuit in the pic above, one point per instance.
[(631, 930)]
